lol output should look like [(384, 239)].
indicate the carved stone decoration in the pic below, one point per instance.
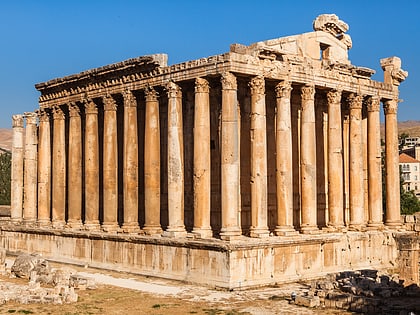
[(391, 107), (201, 85), (74, 110), (334, 96), (58, 113), (373, 103), (17, 121), (330, 23), (308, 92), (257, 85), (43, 115), (129, 99), (393, 74), (355, 101), (283, 89), (90, 107), (173, 90), (150, 94), (109, 103), (228, 81)]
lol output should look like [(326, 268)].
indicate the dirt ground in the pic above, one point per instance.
[(143, 295)]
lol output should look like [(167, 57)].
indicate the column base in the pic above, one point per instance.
[(110, 227), (285, 230), (375, 226), (356, 227), (310, 229), (230, 234), (202, 232), (44, 223), (91, 226), (175, 232), (132, 228), (74, 224), (259, 232), (58, 224), (335, 228), (29, 222), (152, 230), (16, 220)]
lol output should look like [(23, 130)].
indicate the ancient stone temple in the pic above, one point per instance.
[(256, 166)]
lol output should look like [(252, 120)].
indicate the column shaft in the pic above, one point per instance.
[(356, 163), (130, 165), (202, 163), (59, 169), (335, 161), (230, 159), (308, 161), (175, 163), (16, 198), (110, 165), (392, 180), (75, 168), (91, 166), (44, 169), (284, 166), (374, 164), (258, 159), (152, 164)]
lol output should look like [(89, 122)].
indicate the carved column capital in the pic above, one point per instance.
[(58, 113), (228, 81), (283, 89), (109, 103), (90, 107), (201, 85), (173, 90), (373, 103), (30, 117), (257, 85), (308, 92), (43, 115), (150, 94), (17, 121), (390, 107), (355, 101), (129, 99), (74, 110), (334, 96)]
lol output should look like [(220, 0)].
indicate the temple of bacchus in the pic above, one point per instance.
[(256, 166)]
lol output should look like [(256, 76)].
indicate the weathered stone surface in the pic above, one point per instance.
[(26, 263)]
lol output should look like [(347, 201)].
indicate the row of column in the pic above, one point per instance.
[(44, 180)]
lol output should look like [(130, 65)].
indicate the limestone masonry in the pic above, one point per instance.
[(257, 166)]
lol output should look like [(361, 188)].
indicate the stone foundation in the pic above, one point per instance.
[(242, 263)]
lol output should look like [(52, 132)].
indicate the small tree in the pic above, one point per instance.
[(5, 177)]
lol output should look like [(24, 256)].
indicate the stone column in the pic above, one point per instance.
[(91, 166), (258, 138), (152, 164), (284, 166), (392, 179), (16, 193), (202, 162), (110, 165), (130, 165), (59, 169), (44, 169), (176, 226), (356, 163), (346, 153), (308, 161), (374, 163), (230, 159), (75, 168), (335, 161), (30, 167)]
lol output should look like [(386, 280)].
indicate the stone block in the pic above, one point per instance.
[(308, 301)]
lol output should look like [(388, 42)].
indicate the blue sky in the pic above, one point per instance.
[(42, 40)]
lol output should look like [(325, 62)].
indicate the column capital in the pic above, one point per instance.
[(334, 96), (109, 103), (58, 113), (74, 110), (283, 89), (201, 85), (257, 85), (90, 107), (173, 90), (373, 103), (308, 92), (390, 107), (228, 81), (150, 94), (17, 121), (355, 101), (129, 99), (43, 115), (31, 117)]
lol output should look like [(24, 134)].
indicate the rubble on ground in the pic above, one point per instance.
[(46, 284)]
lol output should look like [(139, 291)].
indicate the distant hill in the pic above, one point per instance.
[(6, 138), (410, 127)]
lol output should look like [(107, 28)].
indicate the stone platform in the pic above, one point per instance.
[(243, 263)]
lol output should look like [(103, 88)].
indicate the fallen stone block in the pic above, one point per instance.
[(307, 301)]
